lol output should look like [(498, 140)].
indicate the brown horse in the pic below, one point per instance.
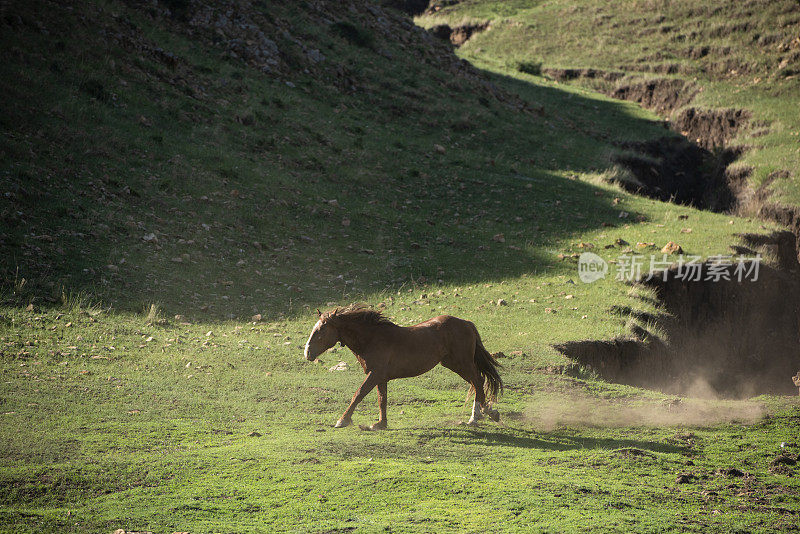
[(387, 351)]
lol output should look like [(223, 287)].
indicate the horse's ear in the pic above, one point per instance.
[(319, 312)]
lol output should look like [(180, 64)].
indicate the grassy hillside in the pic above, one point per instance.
[(184, 183), (741, 55)]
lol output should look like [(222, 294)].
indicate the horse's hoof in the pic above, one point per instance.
[(472, 422), (494, 415), (342, 423), (380, 425)]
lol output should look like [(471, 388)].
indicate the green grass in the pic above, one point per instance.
[(131, 388), (119, 423)]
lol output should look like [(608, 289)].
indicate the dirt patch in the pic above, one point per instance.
[(675, 170), (712, 127), (785, 215), (662, 68), (661, 95), (458, 35), (563, 75), (726, 337)]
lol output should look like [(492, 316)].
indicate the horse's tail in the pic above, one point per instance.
[(488, 368)]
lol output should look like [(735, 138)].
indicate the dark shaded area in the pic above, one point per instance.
[(556, 440), (726, 337), (788, 216), (410, 7), (673, 169), (692, 169)]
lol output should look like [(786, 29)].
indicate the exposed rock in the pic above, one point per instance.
[(672, 248)]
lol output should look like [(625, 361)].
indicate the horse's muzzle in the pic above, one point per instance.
[(309, 356)]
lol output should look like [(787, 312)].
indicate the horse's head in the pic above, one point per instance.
[(323, 336)]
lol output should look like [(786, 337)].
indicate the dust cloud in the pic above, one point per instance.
[(577, 409)]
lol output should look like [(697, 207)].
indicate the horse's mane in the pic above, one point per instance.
[(357, 313)]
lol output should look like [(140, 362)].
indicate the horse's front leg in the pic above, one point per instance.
[(370, 382), (381, 424)]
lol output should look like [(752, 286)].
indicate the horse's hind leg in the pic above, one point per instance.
[(480, 399), (469, 372), (465, 368), (474, 378)]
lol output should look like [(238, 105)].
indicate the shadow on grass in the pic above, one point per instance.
[(244, 222), (555, 441)]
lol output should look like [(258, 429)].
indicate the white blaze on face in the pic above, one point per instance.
[(313, 331)]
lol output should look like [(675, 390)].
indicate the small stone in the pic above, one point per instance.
[(500, 238), (256, 318), (254, 434), (315, 55), (502, 302), (672, 248), (439, 148)]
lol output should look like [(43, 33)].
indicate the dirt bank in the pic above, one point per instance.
[(662, 95), (458, 35), (724, 337)]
